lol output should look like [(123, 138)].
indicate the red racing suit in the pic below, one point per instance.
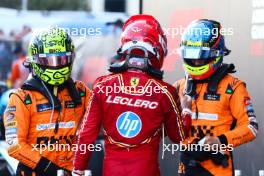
[(132, 117)]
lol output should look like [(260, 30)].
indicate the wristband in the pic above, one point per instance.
[(186, 111), (78, 173)]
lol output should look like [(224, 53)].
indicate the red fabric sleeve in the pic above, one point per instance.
[(88, 133)]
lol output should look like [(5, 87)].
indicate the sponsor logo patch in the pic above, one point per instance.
[(43, 107), (212, 97), (10, 131), (67, 139), (128, 124), (11, 124), (248, 101), (132, 102), (11, 136), (11, 109), (69, 104), (10, 117), (40, 127), (250, 108), (205, 116), (134, 81), (251, 114), (12, 140), (136, 29)]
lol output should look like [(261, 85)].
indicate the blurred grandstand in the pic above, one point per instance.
[(95, 36)]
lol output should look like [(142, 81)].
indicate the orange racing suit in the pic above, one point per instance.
[(214, 115), (27, 122)]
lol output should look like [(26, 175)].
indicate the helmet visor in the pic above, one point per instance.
[(190, 52), (54, 60)]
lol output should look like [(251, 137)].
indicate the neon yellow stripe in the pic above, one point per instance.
[(190, 43), (196, 70)]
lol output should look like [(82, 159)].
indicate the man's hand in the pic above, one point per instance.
[(78, 173), (186, 102), (46, 167), (211, 140), (214, 142)]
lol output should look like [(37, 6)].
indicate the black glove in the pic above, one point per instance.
[(220, 159), (199, 154), (47, 168)]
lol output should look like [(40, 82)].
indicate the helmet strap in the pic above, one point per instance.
[(190, 86), (155, 73), (226, 52), (146, 66), (214, 80), (55, 90), (119, 68)]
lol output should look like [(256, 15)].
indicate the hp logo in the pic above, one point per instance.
[(128, 124)]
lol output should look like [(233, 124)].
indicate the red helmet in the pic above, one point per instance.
[(142, 34)]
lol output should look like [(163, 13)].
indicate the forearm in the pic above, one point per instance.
[(187, 121), (24, 154), (240, 135), (88, 133), (81, 158), (30, 156)]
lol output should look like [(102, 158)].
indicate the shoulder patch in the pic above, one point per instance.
[(229, 89), (27, 100), (81, 88), (81, 93)]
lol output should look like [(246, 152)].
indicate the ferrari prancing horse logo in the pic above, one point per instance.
[(134, 81)]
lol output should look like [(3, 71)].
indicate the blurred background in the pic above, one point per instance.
[(95, 26)]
